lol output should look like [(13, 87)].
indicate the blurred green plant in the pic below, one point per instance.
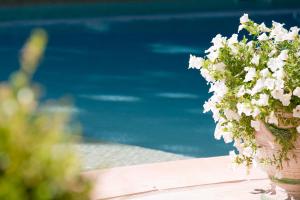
[(36, 159)]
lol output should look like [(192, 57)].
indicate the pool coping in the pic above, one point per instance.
[(128, 181)]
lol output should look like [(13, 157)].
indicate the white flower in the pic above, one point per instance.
[(279, 74), (255, 59), (219, 88), (296, 92), (296, 111), (241, 27), (233, 39), (277, 93), (263, 27), (216, 115), (275, 64), (258, 87), (219, 66), (251, 74), (241, 91), (247, 151), (283, 55), (270, 83), (262, 101), (231, 115), (278, 32), (272, 119), (218, 42), (227, 136), (255, 112), (244, 108), (292, 34), (206, 74), (212, 56), (195, 62), (244, 19), (263, 37), (279, 84), (298, 129), (218, 131), (249, 44), (264, 73), (207, 106), (286, 99), (255, 124)]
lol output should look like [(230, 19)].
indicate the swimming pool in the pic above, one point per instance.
[(128, 75)]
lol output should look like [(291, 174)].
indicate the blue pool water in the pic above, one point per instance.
[(128, 76)]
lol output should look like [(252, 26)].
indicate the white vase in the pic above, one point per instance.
[(288, 177)]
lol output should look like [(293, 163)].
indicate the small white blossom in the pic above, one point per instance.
[(278, 32), (279, 74), (219, 66), (265, 73), (262, 101), (218, 41), (241, 91), (255, 124), (298, 129), (244, 19), (206, 74), (286, 99), (279, 84), (251, 74), (255, 112), (258, 87), (270, 83), (207, 106), (249, 44), (227, 136), (231, 115), (218, 131), (283, 55), (244, 108), (263, 27), (275, 64), (241, 27), (247, 151), (292, 34), (255, 59), (263, 37), (195, 62), (219, 88), (272, 119), (212, 56), (233, 39), (296, 92), (277, 93), (296, 111)]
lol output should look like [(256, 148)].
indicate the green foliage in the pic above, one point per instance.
[(36, 158)]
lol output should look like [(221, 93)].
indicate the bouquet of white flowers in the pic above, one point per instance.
[(255, 80)]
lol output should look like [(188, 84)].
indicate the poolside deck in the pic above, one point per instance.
[(203, 178)]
